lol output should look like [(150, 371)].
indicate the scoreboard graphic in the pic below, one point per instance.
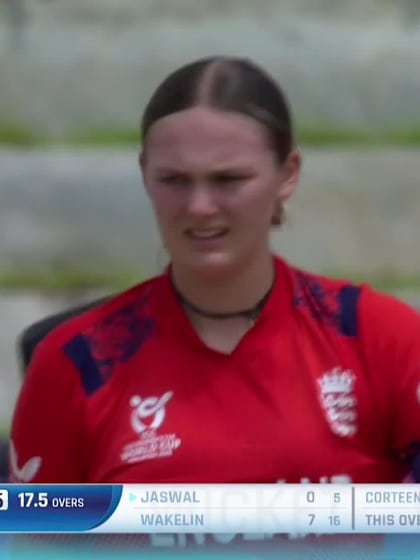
[(262, 508)]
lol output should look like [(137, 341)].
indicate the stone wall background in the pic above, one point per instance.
[(67, 66)]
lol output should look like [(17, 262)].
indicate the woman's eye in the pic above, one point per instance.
[(174, 180), (225, 179)]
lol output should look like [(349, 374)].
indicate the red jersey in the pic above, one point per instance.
[(325, 387)]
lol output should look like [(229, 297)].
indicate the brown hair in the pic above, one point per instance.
[(228, 84)]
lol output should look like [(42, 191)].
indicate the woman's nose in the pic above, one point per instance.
[(201, 201)]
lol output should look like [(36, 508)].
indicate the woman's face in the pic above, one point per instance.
[(214, 181)]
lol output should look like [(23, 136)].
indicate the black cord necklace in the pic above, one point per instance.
[(252, 313)]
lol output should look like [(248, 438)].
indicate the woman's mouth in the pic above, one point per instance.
[(205, 234)]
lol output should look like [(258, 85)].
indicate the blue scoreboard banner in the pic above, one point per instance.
[(202, 509)]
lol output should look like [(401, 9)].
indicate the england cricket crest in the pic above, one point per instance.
[(336, 391)]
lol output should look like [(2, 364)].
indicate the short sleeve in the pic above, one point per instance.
[(48, 435), (390, 332)]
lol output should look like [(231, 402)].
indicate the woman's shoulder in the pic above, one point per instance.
[(355, 305), (329, 301), (387, 318), (108, 315)]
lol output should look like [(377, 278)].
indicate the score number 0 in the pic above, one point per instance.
[(333, 519)]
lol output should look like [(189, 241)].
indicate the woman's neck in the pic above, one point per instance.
[(231, 292)]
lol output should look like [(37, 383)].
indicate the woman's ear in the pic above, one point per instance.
[(290, 175), (278, 214), (288, 181)]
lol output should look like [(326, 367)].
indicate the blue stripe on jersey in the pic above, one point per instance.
[(78, 351), (415, 466), (348, 300)]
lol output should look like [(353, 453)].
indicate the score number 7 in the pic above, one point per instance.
[(311, 498)]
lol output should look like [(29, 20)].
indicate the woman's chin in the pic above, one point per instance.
[(212, 263)]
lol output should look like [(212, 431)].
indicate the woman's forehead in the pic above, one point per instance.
[(206, 134)]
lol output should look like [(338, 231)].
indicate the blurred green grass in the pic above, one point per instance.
[(328, 135), (14, 135), (4, 431), (66, 279), (72, 278), (322, 134)]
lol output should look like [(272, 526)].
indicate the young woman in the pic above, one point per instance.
[(231, 366)]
